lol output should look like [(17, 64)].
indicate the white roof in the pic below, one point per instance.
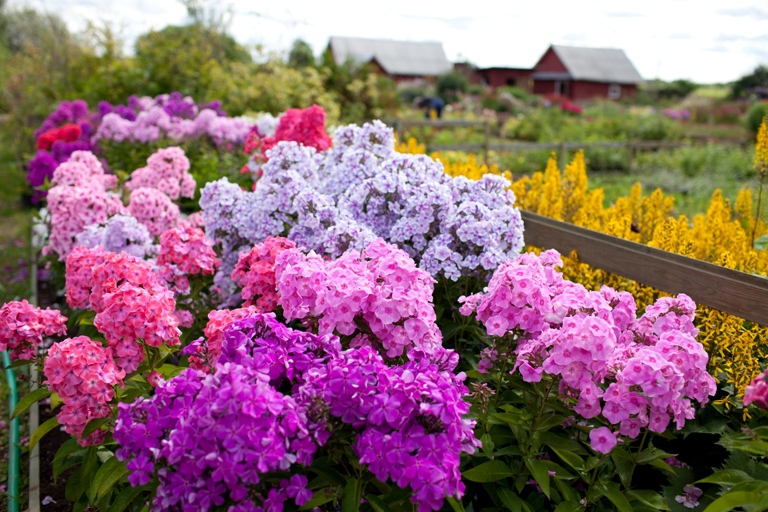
[(598, 64), (426, 58)]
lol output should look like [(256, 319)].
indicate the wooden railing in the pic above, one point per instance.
[(630, 148), (737, 293)]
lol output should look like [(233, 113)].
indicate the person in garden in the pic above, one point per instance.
[(432, 103)]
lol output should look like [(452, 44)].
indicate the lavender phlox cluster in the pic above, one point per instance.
[(210, 439), (355, 155), (175, 120), (635, 372), (403, 202), (266, 124), (380, 286), (120, 233), (481, 232), (168, 171)]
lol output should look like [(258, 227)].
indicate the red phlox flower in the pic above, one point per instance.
[(23, 326)]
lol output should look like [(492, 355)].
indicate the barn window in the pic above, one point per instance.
[(614, 91)]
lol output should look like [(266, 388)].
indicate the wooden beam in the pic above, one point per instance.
[(738, 293)]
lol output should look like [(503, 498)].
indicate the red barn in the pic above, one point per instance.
[(499, 77), (584, 73)]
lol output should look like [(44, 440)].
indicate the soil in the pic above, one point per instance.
[(49, 444)]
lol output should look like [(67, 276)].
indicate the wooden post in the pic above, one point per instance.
[(630, 155), (563, 155)]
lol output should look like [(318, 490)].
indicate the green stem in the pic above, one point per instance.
[(634, 459)]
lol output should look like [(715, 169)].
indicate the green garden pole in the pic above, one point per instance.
[(13, 438)]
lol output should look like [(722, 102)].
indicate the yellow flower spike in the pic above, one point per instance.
[(761, 149)]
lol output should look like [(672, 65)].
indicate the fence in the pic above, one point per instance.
[(562, 148), (740, 294)]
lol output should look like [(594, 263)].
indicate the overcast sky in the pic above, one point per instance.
[(705, 41)]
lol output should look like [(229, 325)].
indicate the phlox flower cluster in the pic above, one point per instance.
[(204, 352), (636, 372), (67, 129), (187, 249), (83, 374), (120, 233), (344, 197), (73, 206), (23, 326), (408, 418), (380, 286), (131, 313), (255, 273), (83, 169), (175, 118), (154, 209), (305, 126), (757, 391), (168, 171), (215, 437), (129, 302), (213, 433)]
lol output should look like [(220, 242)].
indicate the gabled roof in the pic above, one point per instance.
[(596, 64), (395, 57)]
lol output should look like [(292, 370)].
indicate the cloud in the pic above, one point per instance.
[(457, 22), (753, 13), (623, 14)]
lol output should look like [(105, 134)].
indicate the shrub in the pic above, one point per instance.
[(450, 85), (755, 116)]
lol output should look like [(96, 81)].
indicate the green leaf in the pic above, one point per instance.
[(56, 401), (169, 371), (43, 429), (126, 497), (18, 364), (651, 499), (330, 474), (554, 420), (455, 504), (88, 468), (74, 488), (379, 505), (569, 458), (761, 243), (26, 402), (70, 446), (108, 475), (510, 500), (729, 477), (612, 492), (320, 497), (569, 506), (650, 454), (624, 467), (93, 426), (732, 500), (487, 443), (352, 496), (490, 471), (540, 473)]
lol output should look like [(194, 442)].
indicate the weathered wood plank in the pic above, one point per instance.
[(738, 293)]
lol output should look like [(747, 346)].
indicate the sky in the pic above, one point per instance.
[(705, 41)]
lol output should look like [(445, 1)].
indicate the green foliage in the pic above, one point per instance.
[(693, 161), (757, 78), (755, 116), (450, 85), (676, 89)]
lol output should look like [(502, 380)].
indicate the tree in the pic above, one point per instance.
[(301, 55), (180, 58), (450, 85), (758, 78)]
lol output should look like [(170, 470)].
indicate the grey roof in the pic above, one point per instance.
[(598, 64), (396, 57)]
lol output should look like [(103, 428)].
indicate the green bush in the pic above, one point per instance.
[(450, 85), (755, 116), (692, 161)]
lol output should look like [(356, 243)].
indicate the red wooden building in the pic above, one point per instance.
[(584, 73), (500, 77)]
